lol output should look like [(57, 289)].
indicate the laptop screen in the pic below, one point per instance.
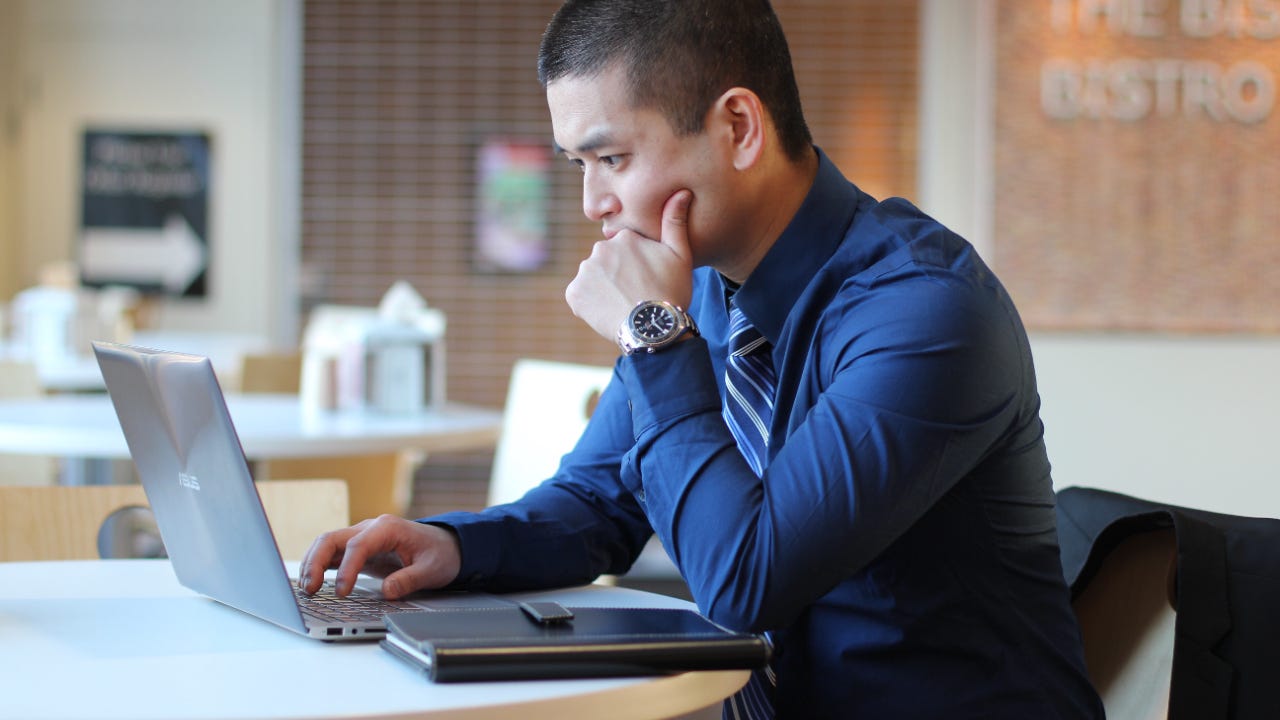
[(192, 467)]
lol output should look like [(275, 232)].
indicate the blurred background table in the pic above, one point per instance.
[(80, 373), (83, 430)]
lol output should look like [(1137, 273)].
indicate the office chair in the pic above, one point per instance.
[(1176, 605)]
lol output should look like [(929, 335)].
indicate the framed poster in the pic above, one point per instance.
[(144, 211), (511, 207)]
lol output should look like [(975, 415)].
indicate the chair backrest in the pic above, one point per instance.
[(271, 372), (1127, 621), (19, 380), (63, 523), (548, 405)]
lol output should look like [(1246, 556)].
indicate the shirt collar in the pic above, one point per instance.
[(809, 240)]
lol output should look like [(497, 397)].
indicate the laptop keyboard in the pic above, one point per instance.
[(327, 606)]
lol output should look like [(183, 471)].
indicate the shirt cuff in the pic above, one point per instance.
[(668, 385), (478, 549)]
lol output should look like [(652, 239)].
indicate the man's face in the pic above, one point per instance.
[(632, 162)]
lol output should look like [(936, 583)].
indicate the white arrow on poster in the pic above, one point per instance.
[(171, 256)]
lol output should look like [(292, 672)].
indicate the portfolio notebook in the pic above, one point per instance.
[(511, 643)]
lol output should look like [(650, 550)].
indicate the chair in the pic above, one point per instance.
[(1176, 605), (378, 484), (547, 408), (270, 372), (63, 523), (19, 380), (1127, 621)]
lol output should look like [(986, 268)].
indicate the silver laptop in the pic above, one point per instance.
[(198, 483)]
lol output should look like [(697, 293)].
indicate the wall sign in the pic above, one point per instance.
[(1132, 87), (1137, 156), (144, 217)]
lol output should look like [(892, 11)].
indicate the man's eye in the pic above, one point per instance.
[(579, 164), (610, 161)]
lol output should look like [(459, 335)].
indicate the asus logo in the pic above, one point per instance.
[(189, 481)]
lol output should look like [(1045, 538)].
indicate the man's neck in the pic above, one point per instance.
[(779, 194)]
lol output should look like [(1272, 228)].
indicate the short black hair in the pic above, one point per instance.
[(679, 56)]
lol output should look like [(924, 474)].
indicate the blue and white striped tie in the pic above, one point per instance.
[(750, 382)]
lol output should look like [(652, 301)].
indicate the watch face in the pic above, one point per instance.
[(652, 322)]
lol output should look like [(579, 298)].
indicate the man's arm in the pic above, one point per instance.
[(575, 526), (898, 410)]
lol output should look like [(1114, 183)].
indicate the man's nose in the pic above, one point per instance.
[(598, 199)]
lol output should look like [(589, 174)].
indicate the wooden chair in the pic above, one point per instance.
[(270, 372), (377, 484), (63, 523), (19, 380), (1127, 619)]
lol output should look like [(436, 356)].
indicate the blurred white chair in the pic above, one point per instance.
[(548, 405), (19, 380)]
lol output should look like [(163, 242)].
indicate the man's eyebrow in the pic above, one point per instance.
[(593, 140)]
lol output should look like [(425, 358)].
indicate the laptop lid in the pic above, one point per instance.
[(193, 469)]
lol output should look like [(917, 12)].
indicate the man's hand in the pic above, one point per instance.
[(408, 556), (630, 267)]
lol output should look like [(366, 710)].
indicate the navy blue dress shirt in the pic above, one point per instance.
[(901, 543)]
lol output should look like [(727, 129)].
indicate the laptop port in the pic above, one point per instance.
[(333, 631)]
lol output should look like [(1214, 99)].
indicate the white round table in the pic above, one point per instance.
[(116, 639)]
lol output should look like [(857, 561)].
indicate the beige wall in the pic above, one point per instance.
[(157, 65), (10, 257)]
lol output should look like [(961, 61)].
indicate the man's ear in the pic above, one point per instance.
[(740, 115)]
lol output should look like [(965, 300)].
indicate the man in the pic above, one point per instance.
[(866, 480)]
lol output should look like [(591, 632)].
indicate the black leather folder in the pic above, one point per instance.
[(461, 645)]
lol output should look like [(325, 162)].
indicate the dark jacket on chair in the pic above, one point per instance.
[(1226, 658)]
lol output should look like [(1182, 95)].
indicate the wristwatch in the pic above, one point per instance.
[(653, 325)]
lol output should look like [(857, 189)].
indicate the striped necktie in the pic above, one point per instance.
[(749, 382)]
